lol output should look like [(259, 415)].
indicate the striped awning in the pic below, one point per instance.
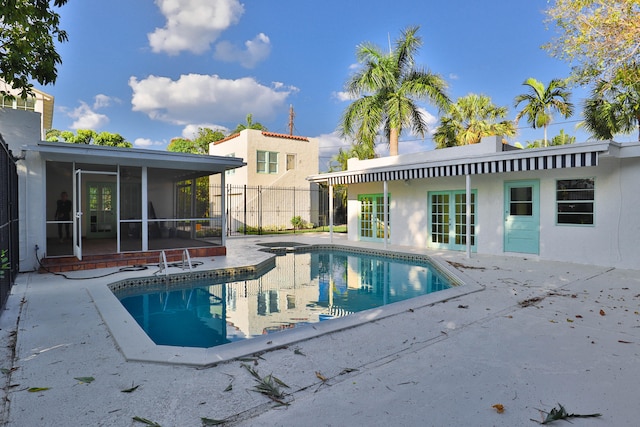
[(518, 161)]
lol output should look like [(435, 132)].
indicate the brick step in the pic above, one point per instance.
[(91, 262)]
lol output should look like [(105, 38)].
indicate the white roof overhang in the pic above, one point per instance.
[(181, 163)]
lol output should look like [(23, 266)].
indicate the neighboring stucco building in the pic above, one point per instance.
[(39, 102), (273, 161), (576, 203)]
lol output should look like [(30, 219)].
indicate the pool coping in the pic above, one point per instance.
[(136, 346)]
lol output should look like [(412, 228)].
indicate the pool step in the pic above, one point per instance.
[(128, 259)]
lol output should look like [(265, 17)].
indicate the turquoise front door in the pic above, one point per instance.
[(522, 217)]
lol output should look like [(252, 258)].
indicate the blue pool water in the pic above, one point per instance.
[(302, 288)]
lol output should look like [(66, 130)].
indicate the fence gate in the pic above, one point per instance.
[(8, 221), (261, 210)]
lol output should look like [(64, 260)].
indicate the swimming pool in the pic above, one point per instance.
[(303, 286)]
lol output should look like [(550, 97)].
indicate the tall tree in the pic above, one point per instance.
[(613, 107), (471, 118), (598, 37), (29, 30), (387, 89), (542, 101), (248, 125)]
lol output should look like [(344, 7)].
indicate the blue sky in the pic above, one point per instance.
[(155, 70)]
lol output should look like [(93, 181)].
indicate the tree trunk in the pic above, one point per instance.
[(544, 141), (393, 142)]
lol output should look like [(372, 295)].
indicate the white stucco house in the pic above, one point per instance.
[(574, 203), (275, 161), (125, 203)]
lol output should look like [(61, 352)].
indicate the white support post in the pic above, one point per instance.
[(468, 216), (385, 198), (330, 212), (223, 209), (145, 211)]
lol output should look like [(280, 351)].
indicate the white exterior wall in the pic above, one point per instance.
[(20, 128), (612, 241), (238, 147)]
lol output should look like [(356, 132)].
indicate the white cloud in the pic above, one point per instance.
[(102, 100), (192, 25), (86, 118), (256, 50), (190, 131), (430, 119), (453, 76), (146, 143), (198, 98), (343, 96)]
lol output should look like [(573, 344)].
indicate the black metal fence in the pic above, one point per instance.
[(262, 210), (9, 255)]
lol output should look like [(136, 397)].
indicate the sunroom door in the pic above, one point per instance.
[(101, 204)]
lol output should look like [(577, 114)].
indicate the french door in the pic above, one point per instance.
[(448, 219)]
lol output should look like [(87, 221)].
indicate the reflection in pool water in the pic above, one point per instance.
[(302, 288)]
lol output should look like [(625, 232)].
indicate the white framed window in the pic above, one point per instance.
[(230, 171), (267, 162), (291, 161), (575, 201)]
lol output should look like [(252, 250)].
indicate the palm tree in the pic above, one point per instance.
[(614, 107), (248, 125), (542, 101), (471, 118), (386, 89), (359, 151)]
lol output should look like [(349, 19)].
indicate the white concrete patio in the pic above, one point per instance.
[(538, 334)]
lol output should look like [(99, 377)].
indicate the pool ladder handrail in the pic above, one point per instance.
[(185, 254), (162, 261)]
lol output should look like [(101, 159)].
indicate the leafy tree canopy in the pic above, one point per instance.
[(471, 118), (199, 145), (29, 30), (561, 139), (359, 151), (598, 36), (89, 137), (613, 107), (250, 124)]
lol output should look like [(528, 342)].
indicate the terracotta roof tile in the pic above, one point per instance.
[(226, 139), (265, 133), (284, 135)]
